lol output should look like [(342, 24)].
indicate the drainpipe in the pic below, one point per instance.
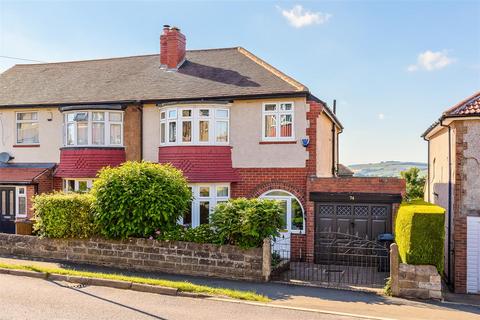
[(449, 236), (428, 168), (334, 171)]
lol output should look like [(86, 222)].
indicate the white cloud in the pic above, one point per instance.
[(299, 17), (381, 116), (430, 61)]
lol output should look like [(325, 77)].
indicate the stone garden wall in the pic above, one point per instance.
[(147, 255)]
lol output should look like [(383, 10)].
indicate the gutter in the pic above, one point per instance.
[(449, 223)]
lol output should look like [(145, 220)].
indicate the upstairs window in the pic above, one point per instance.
[(278, 121), (200, 125), (27, 128), (94, 128)]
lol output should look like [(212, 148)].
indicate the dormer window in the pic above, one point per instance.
[(94, 128), (194, 125)]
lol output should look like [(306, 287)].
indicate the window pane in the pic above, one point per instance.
[(186, 131), (70, 133), (286, 106), (172, 131), (278, 194), (98, 133), (297, 215), (115, 134), (283, 206), (115, 116), (187, 217), (222, 113), (172, 114), (21, 191), (82, 186), (22, 205), (162, 132), (82, 133), (270, 107), (70, 117), (98, 116), (162, 115), (204, 191), (221, 131), (70, 185), (204, 112), (222, 191), (186, 113), (81, 116), (286, 125), (27, 132), (204, 212), (203, 131), (27, 116), (270, 126)]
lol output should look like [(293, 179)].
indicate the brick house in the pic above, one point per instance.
[(454, 183), (235, 126)]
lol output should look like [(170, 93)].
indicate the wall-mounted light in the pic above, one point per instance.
[(49, 116), (305, 142)]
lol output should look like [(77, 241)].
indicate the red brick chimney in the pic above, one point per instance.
[(172, 48)]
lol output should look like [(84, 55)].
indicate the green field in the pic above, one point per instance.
[(386, 168)]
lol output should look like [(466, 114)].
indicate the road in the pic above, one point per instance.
[(29, 298)]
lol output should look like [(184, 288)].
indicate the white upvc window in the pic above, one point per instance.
[(194, 125), (205, 198), (77, 185), (27, 130), (21, 202), (94, 128), (278, 121)]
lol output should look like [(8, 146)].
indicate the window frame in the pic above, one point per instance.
[(213, 199), (37, 121), (278, 113), (17, 202), (76, 184), (194, 118), (90, 121), (290, 197)]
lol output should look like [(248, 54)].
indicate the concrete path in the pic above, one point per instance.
[(320, 299)]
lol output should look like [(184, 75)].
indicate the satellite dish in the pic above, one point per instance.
[(5, 157)]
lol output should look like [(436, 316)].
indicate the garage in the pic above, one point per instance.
[(473, 254)]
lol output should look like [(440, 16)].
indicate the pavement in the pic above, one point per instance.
[(302, 299)]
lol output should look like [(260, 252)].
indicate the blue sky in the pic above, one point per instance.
[(392, 66)]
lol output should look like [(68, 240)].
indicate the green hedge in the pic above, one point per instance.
[(137, 199), (246, 222), (60, 215), (420, 233), (201, 234)]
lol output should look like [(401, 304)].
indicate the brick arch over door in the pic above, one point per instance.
[(278, 185)]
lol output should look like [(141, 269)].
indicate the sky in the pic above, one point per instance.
[(392, 66)]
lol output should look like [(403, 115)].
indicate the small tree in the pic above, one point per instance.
[(415, 183), (139, 198)]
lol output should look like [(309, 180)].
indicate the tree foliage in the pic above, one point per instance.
[(415, 183)]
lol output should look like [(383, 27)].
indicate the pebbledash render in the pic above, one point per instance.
[(235, 125)]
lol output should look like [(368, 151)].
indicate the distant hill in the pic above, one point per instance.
[(386, 168)]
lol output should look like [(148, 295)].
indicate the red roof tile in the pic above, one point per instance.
[(86, 162), (469, 106), (201, 163), (24, 175)]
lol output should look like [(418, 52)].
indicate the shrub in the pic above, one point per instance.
[(138, 198), (201, 234), (60, 215), (246, 222), (420, 233)]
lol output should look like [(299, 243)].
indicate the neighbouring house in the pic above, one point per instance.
[(454, 183), (235, 126)]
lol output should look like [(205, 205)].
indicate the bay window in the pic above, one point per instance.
[(278, 121), (199, 125), (205, 198), (27, 127), (94, 128), (77, 185)]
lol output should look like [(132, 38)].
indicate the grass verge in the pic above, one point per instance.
[(183, 286)]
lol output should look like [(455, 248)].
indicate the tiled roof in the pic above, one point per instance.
[(85, 163), (469, 106), (201, 163), (18, 173), (344, 171), (214, 73)]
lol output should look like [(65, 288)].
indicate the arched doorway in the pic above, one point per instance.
[(294, 219)]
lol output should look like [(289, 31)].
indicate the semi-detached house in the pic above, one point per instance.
[(235, 126)]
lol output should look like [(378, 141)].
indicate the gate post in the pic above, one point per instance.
[(267, 259), (394, 269)]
